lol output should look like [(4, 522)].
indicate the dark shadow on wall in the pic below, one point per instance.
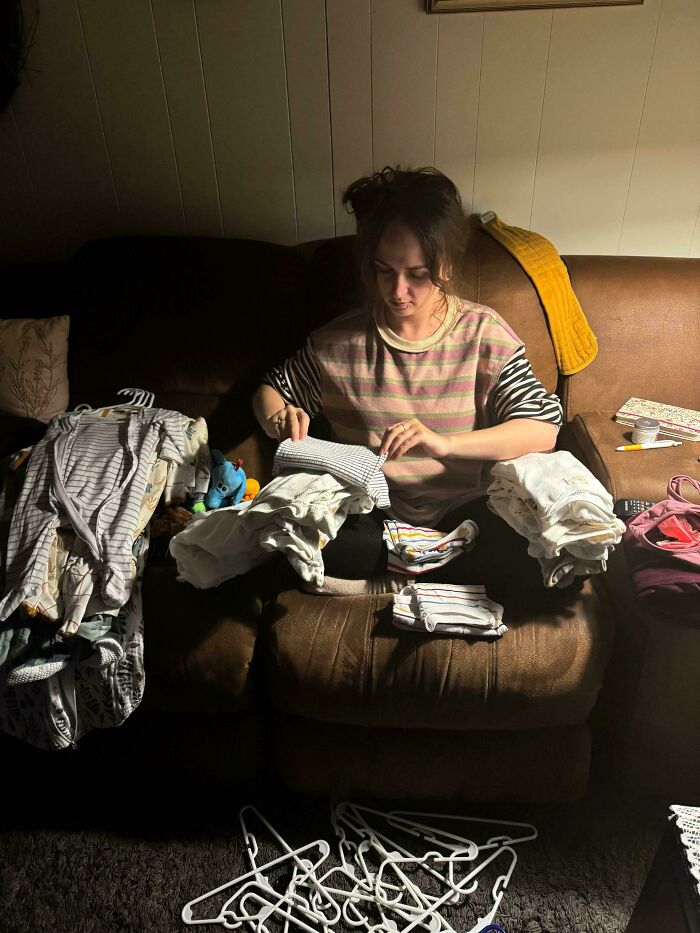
[(16, 38)]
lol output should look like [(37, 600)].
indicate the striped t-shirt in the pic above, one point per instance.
[(471, 373)]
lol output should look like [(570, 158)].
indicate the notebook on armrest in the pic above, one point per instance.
[(683, 423)]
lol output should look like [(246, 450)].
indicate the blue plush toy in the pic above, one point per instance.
[(227, 483)]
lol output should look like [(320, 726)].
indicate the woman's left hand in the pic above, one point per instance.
[(403, 436)]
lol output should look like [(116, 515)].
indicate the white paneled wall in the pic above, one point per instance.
[(249, 117), (593, 102)]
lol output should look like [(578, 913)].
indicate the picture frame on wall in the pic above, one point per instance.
[(465, 6)]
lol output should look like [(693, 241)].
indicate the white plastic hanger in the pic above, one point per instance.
[(498, 889), (252, 851), (387, 846), (140, 398), (450, 841), (266, 902), (462, 850), (439, 835), (321, 845), (376, 888)]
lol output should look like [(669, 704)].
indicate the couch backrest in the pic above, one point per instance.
[(199, 320), (195, 320), (645, 313), (499, 282)]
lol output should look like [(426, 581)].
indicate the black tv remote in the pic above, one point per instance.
[(628, 508)]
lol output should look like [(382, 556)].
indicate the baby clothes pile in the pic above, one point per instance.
[(296, 514), (74, 515), (561, 508), (449, 609), (417, 550), (316, 485)]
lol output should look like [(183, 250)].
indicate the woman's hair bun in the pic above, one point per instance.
[(364, 196), (424, 199)]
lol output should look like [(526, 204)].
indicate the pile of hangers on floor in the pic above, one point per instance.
[(381, 885)]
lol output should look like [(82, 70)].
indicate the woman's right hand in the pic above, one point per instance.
[(288, 422)]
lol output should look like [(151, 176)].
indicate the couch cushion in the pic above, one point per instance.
[(340, 659), (198, 643), (34, 367)]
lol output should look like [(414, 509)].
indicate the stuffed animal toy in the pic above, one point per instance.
[(252, 488), (227, 485)]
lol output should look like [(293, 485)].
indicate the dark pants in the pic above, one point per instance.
[(498, 560)]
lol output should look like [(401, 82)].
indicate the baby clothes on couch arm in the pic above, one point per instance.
[(88, 472)]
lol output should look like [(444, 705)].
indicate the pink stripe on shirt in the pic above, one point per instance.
[(366, 385)]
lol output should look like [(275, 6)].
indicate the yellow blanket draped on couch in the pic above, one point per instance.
[(575, 345)]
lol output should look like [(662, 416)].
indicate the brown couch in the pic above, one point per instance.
[(257, 674)]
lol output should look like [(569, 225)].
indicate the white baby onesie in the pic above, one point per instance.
[(448, 608), (561, 508), (297, 514)]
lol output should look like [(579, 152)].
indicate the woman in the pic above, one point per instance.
[(438, 384)]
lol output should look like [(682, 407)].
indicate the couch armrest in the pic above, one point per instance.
[(638, 474), (652, 673)]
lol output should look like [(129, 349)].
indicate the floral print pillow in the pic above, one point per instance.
[(34, 367)]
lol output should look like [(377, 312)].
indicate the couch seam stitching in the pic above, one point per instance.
[(604, 462), (338, 644)]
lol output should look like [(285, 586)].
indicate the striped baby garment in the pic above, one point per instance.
[(352, 463), (88, 473), (448, 609), (417, 550)]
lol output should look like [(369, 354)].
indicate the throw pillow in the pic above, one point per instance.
[(34, 367)]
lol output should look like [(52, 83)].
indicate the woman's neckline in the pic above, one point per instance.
[(416, 346)]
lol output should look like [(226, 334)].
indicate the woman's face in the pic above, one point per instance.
[(403, 278)]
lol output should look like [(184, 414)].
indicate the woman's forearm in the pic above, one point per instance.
[(504, 441), (267, 402)]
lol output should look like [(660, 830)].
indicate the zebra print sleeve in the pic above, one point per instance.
[(519, 394), (298, 380)]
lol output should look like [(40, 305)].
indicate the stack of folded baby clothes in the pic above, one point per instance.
[(448, 609), (560, 507), (417, 550)]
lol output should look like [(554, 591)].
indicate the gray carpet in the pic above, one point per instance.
[(128, 857)]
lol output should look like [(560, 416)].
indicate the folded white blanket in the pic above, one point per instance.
[(561, 508), (557, 482)]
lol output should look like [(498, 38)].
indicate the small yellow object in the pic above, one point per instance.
[(252, 488)]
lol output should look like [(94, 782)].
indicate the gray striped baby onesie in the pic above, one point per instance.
[(88, 473), (352, 463)]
